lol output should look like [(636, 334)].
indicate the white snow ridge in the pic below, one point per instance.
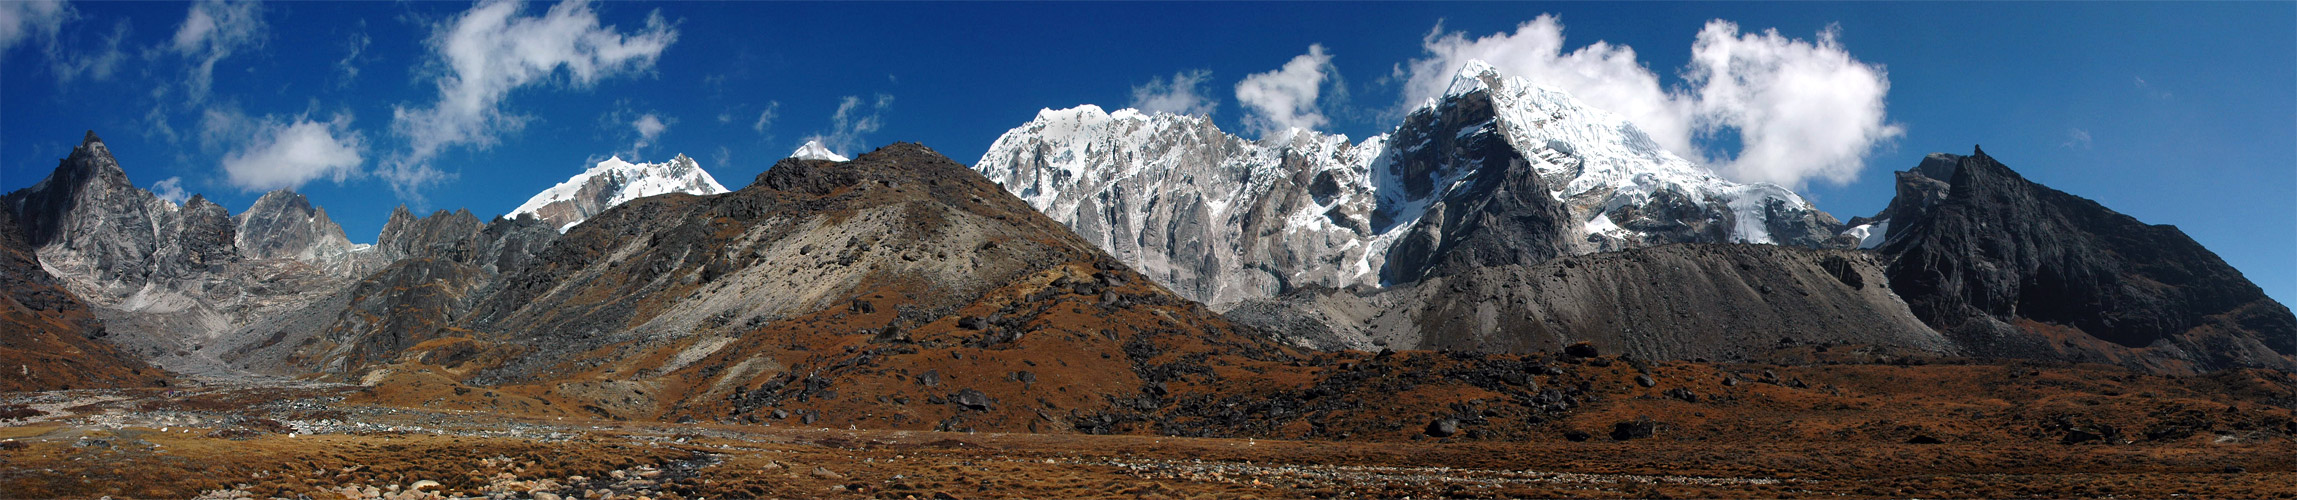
[(613, 182), (813, 150)]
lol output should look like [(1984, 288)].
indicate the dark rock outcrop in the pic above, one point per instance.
[(1680, 301), (2008, 267), (413, 300)]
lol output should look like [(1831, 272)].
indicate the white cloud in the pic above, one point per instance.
[(492, 49), (648, 127), (170, 189), (1605, 76), (2077, 139), (851, 122), (29, 19), (290, 153), (1800, 109), (1285, 98), (766, 117), (1182, 95), (211, 31)]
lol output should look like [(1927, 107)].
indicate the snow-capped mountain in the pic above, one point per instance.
[(813, 150), (1222, 219), (613, 182)]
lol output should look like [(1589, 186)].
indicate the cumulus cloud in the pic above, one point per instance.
[(170, 189), (1798, 109), (211, 31), (290, 153), (1182, 95), (854, 119), (1802, 109), (31, 19), (494, 48), (1285, 98)]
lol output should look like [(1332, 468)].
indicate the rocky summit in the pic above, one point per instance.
[(2009, 267)]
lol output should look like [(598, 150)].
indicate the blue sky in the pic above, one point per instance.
[(2181, 113)]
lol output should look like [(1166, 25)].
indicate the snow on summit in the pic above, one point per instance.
[(613, 182), (813, 150)]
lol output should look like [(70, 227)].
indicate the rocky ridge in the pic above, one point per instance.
[(2010, 267)]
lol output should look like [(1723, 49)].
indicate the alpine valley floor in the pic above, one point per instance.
[(1813, 421)]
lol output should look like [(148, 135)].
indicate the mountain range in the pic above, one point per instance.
[(1110, 271)]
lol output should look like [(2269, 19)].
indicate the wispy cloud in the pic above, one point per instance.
[(491, 50), (1285, 98), (98, 63), (355, 46), (213, 30), (1182, 95), (766, 116), (1800, 109), (854, 118), (2152, 91), (25, 20), (2077, 139)]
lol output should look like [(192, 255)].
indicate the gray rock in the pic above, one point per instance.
[(972, 400), (1443, 427)]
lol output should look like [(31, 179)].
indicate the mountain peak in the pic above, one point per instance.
[(813, 150), (91, 139), (1472, 76), (612, 182)]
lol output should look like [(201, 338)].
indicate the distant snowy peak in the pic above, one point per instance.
[(613, 182), (813, 150), (1610, 172), (1222, 219)]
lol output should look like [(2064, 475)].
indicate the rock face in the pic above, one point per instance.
[(49, 340), (168, 281), (284, 225), (2009, 267), (438, 266), (1682, 301), (613, 182), (91, 225), (1221, 219)]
